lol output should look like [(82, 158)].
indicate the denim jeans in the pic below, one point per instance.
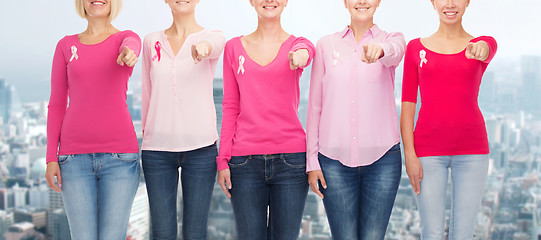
[(98, 191), (198, 175), (359, 200), (277, 183), (468, 176)]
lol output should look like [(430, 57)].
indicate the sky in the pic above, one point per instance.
[(30, 29)]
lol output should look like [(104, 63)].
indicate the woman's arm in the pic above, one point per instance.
[(312, 123), (146, 82), (410, 86)]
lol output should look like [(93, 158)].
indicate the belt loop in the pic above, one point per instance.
[(282, 156)]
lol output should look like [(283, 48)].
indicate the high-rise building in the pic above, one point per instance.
[(55, 202), (218, 100), (6, 220), (531, 83), (38, 196), (61, 228), (37, 217), (22, 231), (138, 228), (6, 100)]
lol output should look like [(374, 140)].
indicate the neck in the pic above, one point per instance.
[(451, 30), (99, 26), (269, 29), (184, 24), (360, 28)]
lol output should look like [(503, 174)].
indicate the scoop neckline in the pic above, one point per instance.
[(105, 40), (445, 54)]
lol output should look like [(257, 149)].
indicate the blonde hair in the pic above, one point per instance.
[(116, 5)]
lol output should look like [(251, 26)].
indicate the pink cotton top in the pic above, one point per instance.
[(97, 118), (178, 112), (260, 106), (450, 121), (351, 110)]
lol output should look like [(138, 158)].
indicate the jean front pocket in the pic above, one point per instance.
[(238, 161), (128, 157), (64, 158), (295, 160)]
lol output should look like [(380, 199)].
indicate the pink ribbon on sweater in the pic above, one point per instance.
[(158, 47)]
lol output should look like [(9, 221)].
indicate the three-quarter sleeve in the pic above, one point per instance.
[(231, 110), (58, 102), (410, 82)]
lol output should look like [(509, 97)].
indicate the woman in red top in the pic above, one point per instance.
[(450, 133)]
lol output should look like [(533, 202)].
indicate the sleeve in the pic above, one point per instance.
[(58, 102), (314, 110), (303, 43), (132, 41), (394, 47), (410, 82), (217, 40), (146, 82), (492, 46), (231, 109)]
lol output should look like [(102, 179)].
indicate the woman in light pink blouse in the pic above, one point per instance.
[(262, 148), (179, 122), (92, 147), (353, 140)]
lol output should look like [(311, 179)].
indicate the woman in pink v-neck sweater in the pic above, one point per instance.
[(92, 147), (262, 156)]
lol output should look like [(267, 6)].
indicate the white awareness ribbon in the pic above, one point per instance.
[(74, 53), (422, 55), (241, 65), (336, 56)]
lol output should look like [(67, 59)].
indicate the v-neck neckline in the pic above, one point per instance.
[(168, 47), (273, 60)]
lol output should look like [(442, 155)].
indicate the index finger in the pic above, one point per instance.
[(224, 188), (314, 187)]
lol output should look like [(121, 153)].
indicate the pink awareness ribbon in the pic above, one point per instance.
[(158, 47)]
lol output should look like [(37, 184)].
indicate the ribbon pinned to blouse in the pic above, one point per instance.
[(336, 56), (241, 65), (74, 53), (422, 55), (158, 47)]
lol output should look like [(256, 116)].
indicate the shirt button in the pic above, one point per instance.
[(353, 120), (354, 138), (353, 101)]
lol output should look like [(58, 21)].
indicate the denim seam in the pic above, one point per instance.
[(453, 201), (283, 158)]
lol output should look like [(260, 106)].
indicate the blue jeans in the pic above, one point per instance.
[(359, 200), (98, 191), (197, 178), (468, 176), (276, 182)]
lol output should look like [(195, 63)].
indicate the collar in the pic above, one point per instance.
[(373, 31)]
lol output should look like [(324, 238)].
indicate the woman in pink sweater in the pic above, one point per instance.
[(92, 148), (179, 122), (450, 133), (262, 157)]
